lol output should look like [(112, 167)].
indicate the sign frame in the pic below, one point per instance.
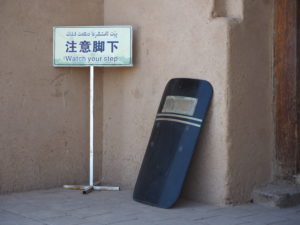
[(130, 64)]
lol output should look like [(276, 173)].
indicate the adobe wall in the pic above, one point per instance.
[(171, 39), (44, 110), (251, 122), (228, 43)]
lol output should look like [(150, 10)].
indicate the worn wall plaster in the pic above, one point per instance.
[(44, 110)]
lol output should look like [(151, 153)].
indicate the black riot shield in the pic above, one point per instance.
[(173, 140)]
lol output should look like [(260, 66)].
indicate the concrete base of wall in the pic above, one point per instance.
[(280, 194)]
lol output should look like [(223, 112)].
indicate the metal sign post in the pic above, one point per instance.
[(109, 46), (87, 189), (91, 125)]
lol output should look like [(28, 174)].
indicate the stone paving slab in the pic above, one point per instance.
[(69, 207)]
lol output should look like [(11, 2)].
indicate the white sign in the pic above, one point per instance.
[(92, 46)]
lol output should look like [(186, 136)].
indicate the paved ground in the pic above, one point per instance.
[(66, 207)]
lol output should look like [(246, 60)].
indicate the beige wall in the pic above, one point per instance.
[(172, 39), (226, 42), (251, 128), (44, 110)]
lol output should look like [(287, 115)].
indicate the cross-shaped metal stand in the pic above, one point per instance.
[(92, 186)]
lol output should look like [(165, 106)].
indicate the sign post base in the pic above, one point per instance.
[(87, 189)]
